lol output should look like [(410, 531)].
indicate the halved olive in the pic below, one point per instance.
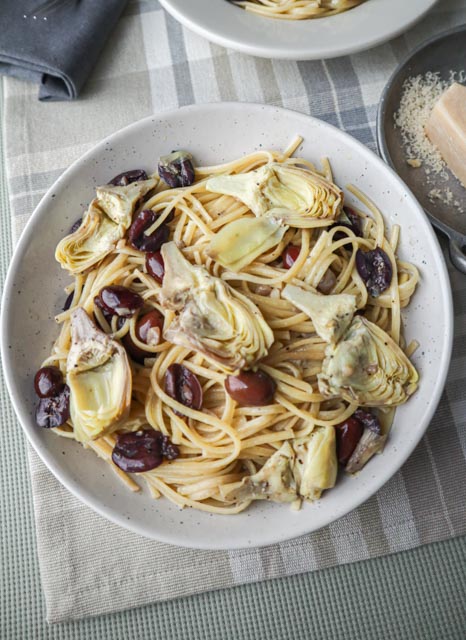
[(143, 450), (155, 266), (251, 388), (348, 435), (48, 382), (54, 411), (182, 385), (290, 255), (125, 178), (148, 330), (138, 237), (120, 301)]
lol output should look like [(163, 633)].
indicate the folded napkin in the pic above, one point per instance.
[(56, 42)]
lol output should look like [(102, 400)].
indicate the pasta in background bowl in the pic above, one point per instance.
[(297, 9), (249, 27), (203, 131)]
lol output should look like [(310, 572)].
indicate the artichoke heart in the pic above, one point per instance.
[(275, 481), (104, 223), (119, 202), (367, 367), (331, 315), (99, 378), (316, 465), (214, 318), (369, 444), (298, 197), (94, 239), (240, 242)]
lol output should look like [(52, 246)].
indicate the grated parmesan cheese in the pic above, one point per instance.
[(445, 196), (418, 97)]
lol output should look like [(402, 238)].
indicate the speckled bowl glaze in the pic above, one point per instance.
[(217, 133), (358, 29)]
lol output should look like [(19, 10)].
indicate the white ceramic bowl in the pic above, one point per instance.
[(358, 29), (216, 133)]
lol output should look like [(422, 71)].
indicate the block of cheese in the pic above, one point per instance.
[(446, 129)]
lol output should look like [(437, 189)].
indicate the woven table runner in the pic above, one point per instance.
[(151, 64)]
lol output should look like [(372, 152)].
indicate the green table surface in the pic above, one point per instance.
[(418, 594)]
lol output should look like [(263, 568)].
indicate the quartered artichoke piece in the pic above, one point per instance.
[(239, 243), (99, 378), (369, 444), (331, 315), (303, 468), (296, 196), (214, 318), (275, 481), (367, 367), (119, 202), (105, 222), (316, 465), (91, 242)]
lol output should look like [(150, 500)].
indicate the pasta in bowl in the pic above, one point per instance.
[(233, 332), (297, 9), (217, 135)]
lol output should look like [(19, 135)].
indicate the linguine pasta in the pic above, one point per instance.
[(298, 9), (223, 443)]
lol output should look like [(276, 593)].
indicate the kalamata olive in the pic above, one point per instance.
[(251, 388), (141, 222), (353, 222), (182, 385), (157, 238), (348, 434), (140, 240), (105, 312), (327, 282), (149, 330), (375, 269), (368, 420), (125, 178), (142, 450), (55, 411), (155, 266), (339, 235), (68, 301), (176, 169), (120, 301), (290, 255), (149, 327), (48, 382), (75, 226)]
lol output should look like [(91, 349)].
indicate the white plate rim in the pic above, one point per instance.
[(74, 487), (289, 52)]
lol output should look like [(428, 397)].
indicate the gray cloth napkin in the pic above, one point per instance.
[(57, 47)]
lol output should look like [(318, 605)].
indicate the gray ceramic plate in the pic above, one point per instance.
[(444, 53), (365, 26)]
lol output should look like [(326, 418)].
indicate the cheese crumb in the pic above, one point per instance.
[(445, 196)]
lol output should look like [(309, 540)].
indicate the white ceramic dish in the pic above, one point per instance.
[(216, 133), (361, 28)]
